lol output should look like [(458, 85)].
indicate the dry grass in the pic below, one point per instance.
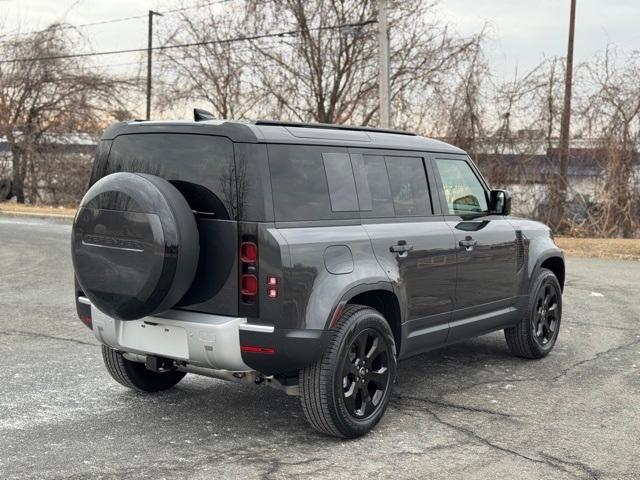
[(9, 207), (613, 248)]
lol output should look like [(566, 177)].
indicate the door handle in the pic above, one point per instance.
[(402, 249), (468, 243)]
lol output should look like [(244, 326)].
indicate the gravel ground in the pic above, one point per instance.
[(466, 411)]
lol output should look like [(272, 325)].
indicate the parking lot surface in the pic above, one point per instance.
[(468, 411)]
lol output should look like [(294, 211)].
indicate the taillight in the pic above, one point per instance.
[(249, 285), (249, 270), (248, 252)]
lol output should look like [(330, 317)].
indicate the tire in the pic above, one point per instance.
[(536, 334), (5, 188), (135, 375), (135, 245), (330, 393)]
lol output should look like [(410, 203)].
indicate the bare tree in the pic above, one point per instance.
[(43, 91), (213, 70), (326, 70), (613, 113), (465, 127), (323, 68)]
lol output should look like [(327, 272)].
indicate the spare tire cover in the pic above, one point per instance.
[(134, 245)]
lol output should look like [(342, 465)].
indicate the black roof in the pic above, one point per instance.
[(267, 131)]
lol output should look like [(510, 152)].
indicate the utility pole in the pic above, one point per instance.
[(383, 51), (560, 189), (149, 54)]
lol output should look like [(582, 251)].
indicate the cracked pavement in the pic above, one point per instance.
[(468, 411)]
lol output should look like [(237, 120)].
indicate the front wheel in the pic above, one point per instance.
[(346, 392), (537, 332)]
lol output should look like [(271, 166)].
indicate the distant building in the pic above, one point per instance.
[(525, 164), (66, 143), (62, 169), (526, 160)]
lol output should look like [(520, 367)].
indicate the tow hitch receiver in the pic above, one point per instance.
[(159, 364)]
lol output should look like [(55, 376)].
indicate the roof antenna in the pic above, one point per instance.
[(199, 115)]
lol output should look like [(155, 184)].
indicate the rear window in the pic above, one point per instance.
[(200, 166), (312, 183)]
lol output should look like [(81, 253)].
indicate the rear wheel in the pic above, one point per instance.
[(346, 392), (135, 375), (537, 332)]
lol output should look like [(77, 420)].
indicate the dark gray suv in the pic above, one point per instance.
[(306, 257)]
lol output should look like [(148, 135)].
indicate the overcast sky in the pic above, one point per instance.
[(522, 32)]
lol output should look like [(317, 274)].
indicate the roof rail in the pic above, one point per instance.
[(330, 126)]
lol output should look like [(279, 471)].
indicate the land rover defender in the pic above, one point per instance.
[(307, 257)]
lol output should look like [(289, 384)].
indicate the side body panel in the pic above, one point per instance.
[(310, 290), (538, 247), (487, 251), (424, 279), (486, 288)]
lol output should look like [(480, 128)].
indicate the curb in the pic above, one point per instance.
[(58, 217)]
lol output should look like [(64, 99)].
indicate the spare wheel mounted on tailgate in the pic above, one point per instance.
[(135, 245)]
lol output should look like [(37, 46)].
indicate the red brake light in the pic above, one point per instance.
[(248, 252), (252, 349), (249, 285)]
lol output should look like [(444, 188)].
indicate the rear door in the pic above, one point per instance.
[(202, 168), (410, 239), (486, 250)]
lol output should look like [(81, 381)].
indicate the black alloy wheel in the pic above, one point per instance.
[(346, 392), (535, 335), (365, 374), (545, 319)]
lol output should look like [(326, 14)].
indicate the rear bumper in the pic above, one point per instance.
[(212, 341), (203, 340), (289, 350)]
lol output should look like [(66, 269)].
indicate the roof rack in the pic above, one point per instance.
[(330, 126)]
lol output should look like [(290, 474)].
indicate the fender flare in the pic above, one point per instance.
[(544, 256), (357, 289)]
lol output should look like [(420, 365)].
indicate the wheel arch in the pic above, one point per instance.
[(380, 297), (556, 265)]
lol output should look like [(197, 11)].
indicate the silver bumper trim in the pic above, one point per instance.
[(84, 300), (199, 339), (252, 327)]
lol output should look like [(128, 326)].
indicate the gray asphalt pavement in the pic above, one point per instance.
[(466, 411)]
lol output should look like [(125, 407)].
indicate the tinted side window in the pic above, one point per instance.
[(408, 186), (200, 166), (299, 181), (462, 189), (374, 192), (342, 187)]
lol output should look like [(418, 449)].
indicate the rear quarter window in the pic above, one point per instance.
[(312, 183)]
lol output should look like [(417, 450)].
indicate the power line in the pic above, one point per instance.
[(64, 26), (162, 60), (193, 44)]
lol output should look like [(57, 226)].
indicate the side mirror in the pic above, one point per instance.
[(500, 202)]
